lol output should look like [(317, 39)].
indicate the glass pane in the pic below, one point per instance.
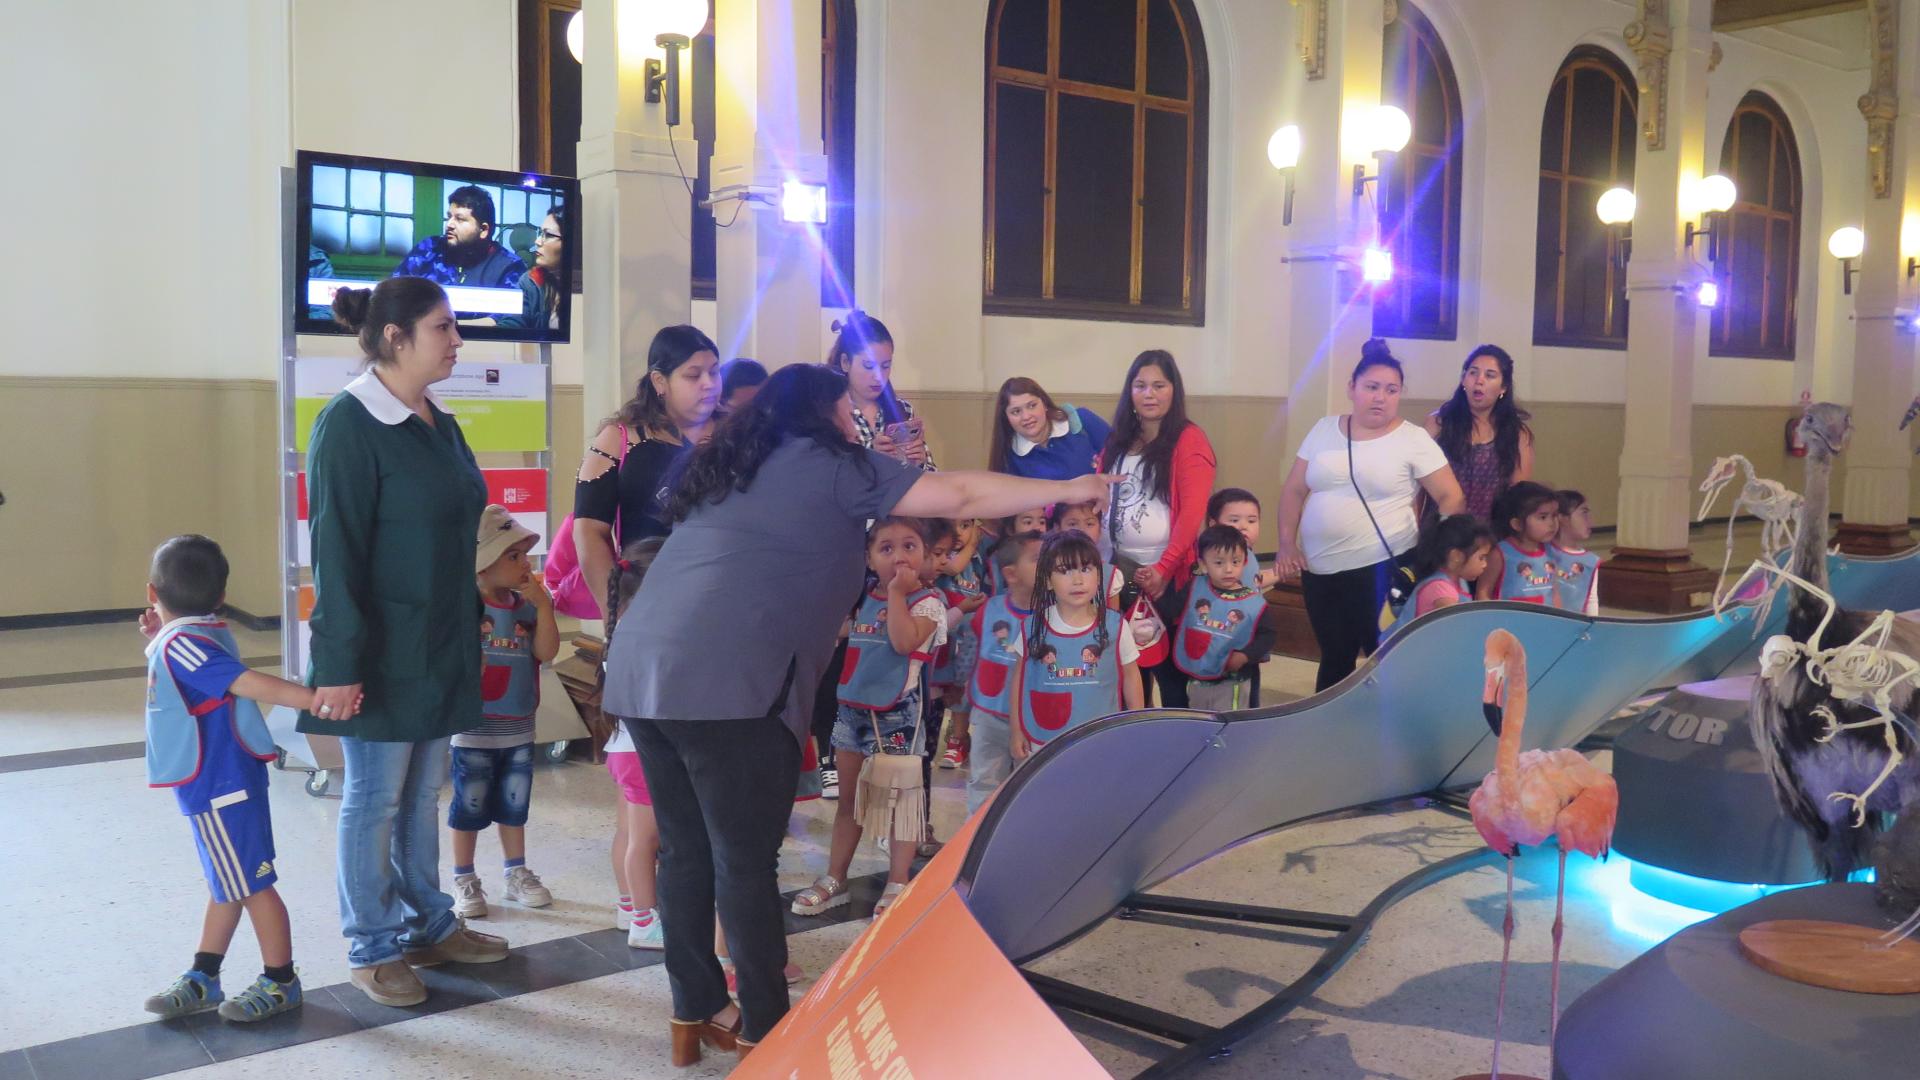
[(1553, 128), (537, 205), (1778, 326), (1023, 35), (1430, 114), (1166, 51), (1745, 281), (1420, 261), (1097, 41), (1546, 262), (1019, 189), (563, 96), (1587, 298), (363, 189), (330, 230), (1093, 220), (399, 193), (1752, 165), (329, 186), (1628, 140), (513, 207), (363, 234), (1164, 211), (1593, 124), (399, 235), (1786, 185)]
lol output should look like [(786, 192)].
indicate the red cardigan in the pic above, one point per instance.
[(1187, 495)]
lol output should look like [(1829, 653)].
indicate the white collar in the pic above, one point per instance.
[(185, 620), (1023, 445), (382, 404)]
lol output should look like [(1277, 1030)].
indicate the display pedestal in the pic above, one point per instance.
[(1838, 956), (1873, 539), (1665, 582)]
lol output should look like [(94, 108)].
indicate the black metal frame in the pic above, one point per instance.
[(1202, 1042)]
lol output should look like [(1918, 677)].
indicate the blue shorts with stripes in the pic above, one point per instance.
[(235, 837)]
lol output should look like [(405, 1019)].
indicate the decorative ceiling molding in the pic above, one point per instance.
[(1310, 26), (1747, 14), (1881, 103), (1651, 38), (1714, 57)]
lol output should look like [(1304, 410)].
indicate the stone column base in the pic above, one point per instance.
[(1873, 539), (1287, 614), (1666, 582)]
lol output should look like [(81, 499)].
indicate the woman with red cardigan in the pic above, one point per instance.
[(1166, 466)]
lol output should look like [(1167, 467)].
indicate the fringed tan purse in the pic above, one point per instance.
[(888, 796)]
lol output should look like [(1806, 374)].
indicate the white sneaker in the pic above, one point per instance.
[(469, 899), (829, 783), (523, 887), (647, 936), (622, 917)]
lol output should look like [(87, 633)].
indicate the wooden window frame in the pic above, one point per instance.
[(1626, 97), (1765, 208), (1420, 34), (1192, 310), (536, 103)]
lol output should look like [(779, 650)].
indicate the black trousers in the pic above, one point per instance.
[(826, 706), (1344, 611), (722, 792)]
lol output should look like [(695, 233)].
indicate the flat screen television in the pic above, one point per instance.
[(500, 243)]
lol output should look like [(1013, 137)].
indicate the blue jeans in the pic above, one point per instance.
[(389, 880), (490, 787)]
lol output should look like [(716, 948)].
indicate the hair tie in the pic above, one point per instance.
[(624, 565)]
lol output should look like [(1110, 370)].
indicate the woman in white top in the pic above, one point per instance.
[(1342, 540)]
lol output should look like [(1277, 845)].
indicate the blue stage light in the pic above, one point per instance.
[(1655, 904)]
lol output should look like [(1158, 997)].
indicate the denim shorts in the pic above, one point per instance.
[(490, 787), (853, 728)]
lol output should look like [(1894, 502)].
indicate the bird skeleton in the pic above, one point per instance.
[(1777, 508)]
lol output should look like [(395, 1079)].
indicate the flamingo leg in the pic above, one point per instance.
[(1506, 950), (1559, 924)]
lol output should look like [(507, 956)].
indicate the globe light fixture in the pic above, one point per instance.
[(577, 37), (1846, 244), (1711, 198), (1283, 151)]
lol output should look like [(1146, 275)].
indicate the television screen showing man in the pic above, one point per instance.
[(465, 254)]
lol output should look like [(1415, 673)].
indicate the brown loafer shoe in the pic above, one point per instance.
[(463, 946), (392, 984)]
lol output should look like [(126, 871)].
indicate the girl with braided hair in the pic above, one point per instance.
[(1080, 658)]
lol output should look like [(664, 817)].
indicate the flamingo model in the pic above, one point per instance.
[(1530, 796)]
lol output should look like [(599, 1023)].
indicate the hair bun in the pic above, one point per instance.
[(1375, 349), (837, 325), (350, 307)]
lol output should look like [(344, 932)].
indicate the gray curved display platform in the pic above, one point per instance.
[(1692, 1007), (1112, 808)]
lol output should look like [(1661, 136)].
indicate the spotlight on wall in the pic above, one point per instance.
[(1846, 244), (1283, 150), (1707, 294), (1711, 198), (1376, 266), (803, 203), (1383, 132), (1615, 209)]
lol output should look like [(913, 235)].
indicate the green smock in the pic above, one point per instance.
[(394, 508)]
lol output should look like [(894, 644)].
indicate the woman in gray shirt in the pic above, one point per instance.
[(720, 654)]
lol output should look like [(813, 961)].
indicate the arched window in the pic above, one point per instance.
[(838, 64), (1759, 267), (1422, 189), (1096, 160), (1587, 140)]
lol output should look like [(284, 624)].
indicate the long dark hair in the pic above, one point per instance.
[(798, 401), (398, 301), (1064, 550), (1509, 419), (624, 581), (672, 346), (858, 332), (1519, 502), (1443, 536), (1156, 458), (998, 449)]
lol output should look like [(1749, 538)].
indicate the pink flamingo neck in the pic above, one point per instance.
[(1513, 717)]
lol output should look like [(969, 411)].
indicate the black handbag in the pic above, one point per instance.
[(1400, 579)]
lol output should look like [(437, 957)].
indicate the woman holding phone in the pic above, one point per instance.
[(884, 420)]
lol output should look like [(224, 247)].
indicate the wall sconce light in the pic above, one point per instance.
[(1846, 244), (1384, 132), (577, 37), (1376, 266), (1712, 197), (1615, 209), (1283, 150), (675, 24)]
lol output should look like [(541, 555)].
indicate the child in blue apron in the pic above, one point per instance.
[(207, 741), (1084, 518), (1525, 518), (1079, 660), (896, 629), (1222, 613), (1020, 524), (1576, 571), (965, 585), (1451, 556), (997, 626), (1239, 508)]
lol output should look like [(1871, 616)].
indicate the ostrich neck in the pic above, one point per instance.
[(1810, 548)]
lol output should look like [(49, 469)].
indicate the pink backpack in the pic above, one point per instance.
[(564, 576)]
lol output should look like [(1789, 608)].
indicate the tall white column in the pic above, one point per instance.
[(1652, 567), (767, 132), (635, 252), (1875, 500)]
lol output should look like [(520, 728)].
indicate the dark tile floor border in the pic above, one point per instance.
[(79, 755), (69, 678), (167, 1046)]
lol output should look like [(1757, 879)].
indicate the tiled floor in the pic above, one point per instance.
[(103, 899)]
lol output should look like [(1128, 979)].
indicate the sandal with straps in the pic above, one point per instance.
[(826, 893), (887, 896)]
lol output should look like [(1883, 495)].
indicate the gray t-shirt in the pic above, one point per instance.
[(752, 585)]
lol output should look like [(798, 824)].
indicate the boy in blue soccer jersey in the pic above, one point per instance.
[(207, 741)]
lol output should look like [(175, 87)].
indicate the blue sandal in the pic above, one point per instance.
[(191, 993), (263, 999)]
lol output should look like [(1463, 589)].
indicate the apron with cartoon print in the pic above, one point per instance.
[(1071, 682), (1526, 576), (992, 686), (875, 674), (1213, 627), (510, 677)]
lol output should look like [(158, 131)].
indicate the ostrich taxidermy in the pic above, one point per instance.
[(1832, 706), (1768, 500)]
